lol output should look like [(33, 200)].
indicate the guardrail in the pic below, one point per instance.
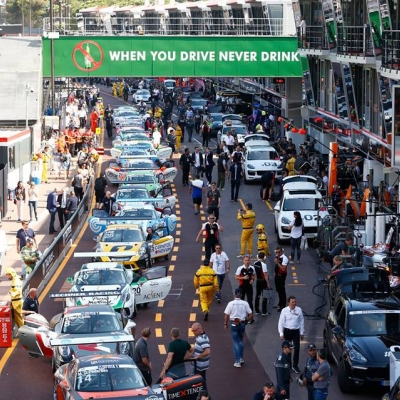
[(106, 26), (314, 38), (56, 252), (355, 41)]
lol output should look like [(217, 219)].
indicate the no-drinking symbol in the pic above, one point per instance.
[(88, 56)]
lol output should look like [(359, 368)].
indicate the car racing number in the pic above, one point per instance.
[(137, 290)]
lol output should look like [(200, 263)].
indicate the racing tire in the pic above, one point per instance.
[(345, 385)]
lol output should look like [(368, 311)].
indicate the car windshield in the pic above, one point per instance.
[(238, 129), (140, 178), (256, 137), (363, 323), (198, 102), (127, 114), (132, 194), (216, 117), (296, 203), (122, 235), (101, 277), (138, 214), (89, 322), (261, 155), (108, 378)]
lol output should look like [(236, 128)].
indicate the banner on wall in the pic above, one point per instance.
[(173, 56)]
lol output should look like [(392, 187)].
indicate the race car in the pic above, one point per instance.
[(139, 195), (129, 150), (300, 193), (127, 244), (135, 288), (103, 277), (117, 174), (163, 223), (73, 326), (144, 178), (128, 136), (117, 376)]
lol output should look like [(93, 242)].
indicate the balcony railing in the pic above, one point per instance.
[(173, 26), (355, 41), (314, 38), (391, 50)]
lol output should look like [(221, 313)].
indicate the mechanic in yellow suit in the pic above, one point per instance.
[(178, 135), (262, 242), (45, 166), (114, 89), (205, 279), (248, 218), (290, 165), (16, 296), (121, 89)]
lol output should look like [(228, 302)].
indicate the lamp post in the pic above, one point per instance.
[(53, 88), (28, 89)]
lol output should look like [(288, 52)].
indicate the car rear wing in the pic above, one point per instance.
[(91, 293), (105, 254), (92, 340)]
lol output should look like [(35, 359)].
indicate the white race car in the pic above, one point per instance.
[(260, 157), (300, 193)]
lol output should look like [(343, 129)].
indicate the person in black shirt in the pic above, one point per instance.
[(235, 174), (72, 205), (31, 303), (267, 392), (109, 125), (185, 162), (107, 203), (100, 185)]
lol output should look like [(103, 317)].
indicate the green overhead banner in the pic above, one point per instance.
[(173, 56)]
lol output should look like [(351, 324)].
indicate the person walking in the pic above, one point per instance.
[(141, 356), (281, 264), (205, 279), (23, 234), (311, 366), (179, 137), (247, 218), (185, 162), (322, 376), (267, 184), (296, 232), (109, 125), (78, 183), (262, 242), (16, 296), (211, 230), (221, 265), (235, 175), (213, 201), (19, 199), (237, 313), (282, 369), (205, 133), (178, 352), (245, 274), (100, 185), (33, 196), (52, 209), (31, 303), (262, 282), (208, 165), (197, 161), (46, 158), (291, 327), (222, 169), (197, 190), (201, 352), (61, 206)]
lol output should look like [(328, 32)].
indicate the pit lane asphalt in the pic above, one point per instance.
[(32, 378)]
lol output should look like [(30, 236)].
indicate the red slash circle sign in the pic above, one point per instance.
[(88, 56)]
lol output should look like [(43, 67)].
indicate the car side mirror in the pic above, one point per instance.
[(337, 330)]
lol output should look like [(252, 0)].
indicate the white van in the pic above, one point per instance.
[(170, 84)]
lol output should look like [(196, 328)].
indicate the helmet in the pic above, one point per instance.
[(249, 206), (300, 381), (260, 227)]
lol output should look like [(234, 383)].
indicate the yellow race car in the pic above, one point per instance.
[(127, 244)]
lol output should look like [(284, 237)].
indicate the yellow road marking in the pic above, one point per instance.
[(192, 316), (177, 240), (296, 284), (159, 332), (160, 303), (161, 349), (178, 225), (295, 281), (177, 205), (158, 317), (268, 205), (176, 248), (190, 333), (7, 354), (171, 268), (293, 268), (173, 258), (197, 291), (195, 303), (178, 233), (294, 273)]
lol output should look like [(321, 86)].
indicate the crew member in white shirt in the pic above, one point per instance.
[(291, 327), (221, 265)]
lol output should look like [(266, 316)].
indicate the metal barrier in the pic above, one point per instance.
[(314, 38), (105, 26), (57, 250), (391, 50), (355, 41)]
